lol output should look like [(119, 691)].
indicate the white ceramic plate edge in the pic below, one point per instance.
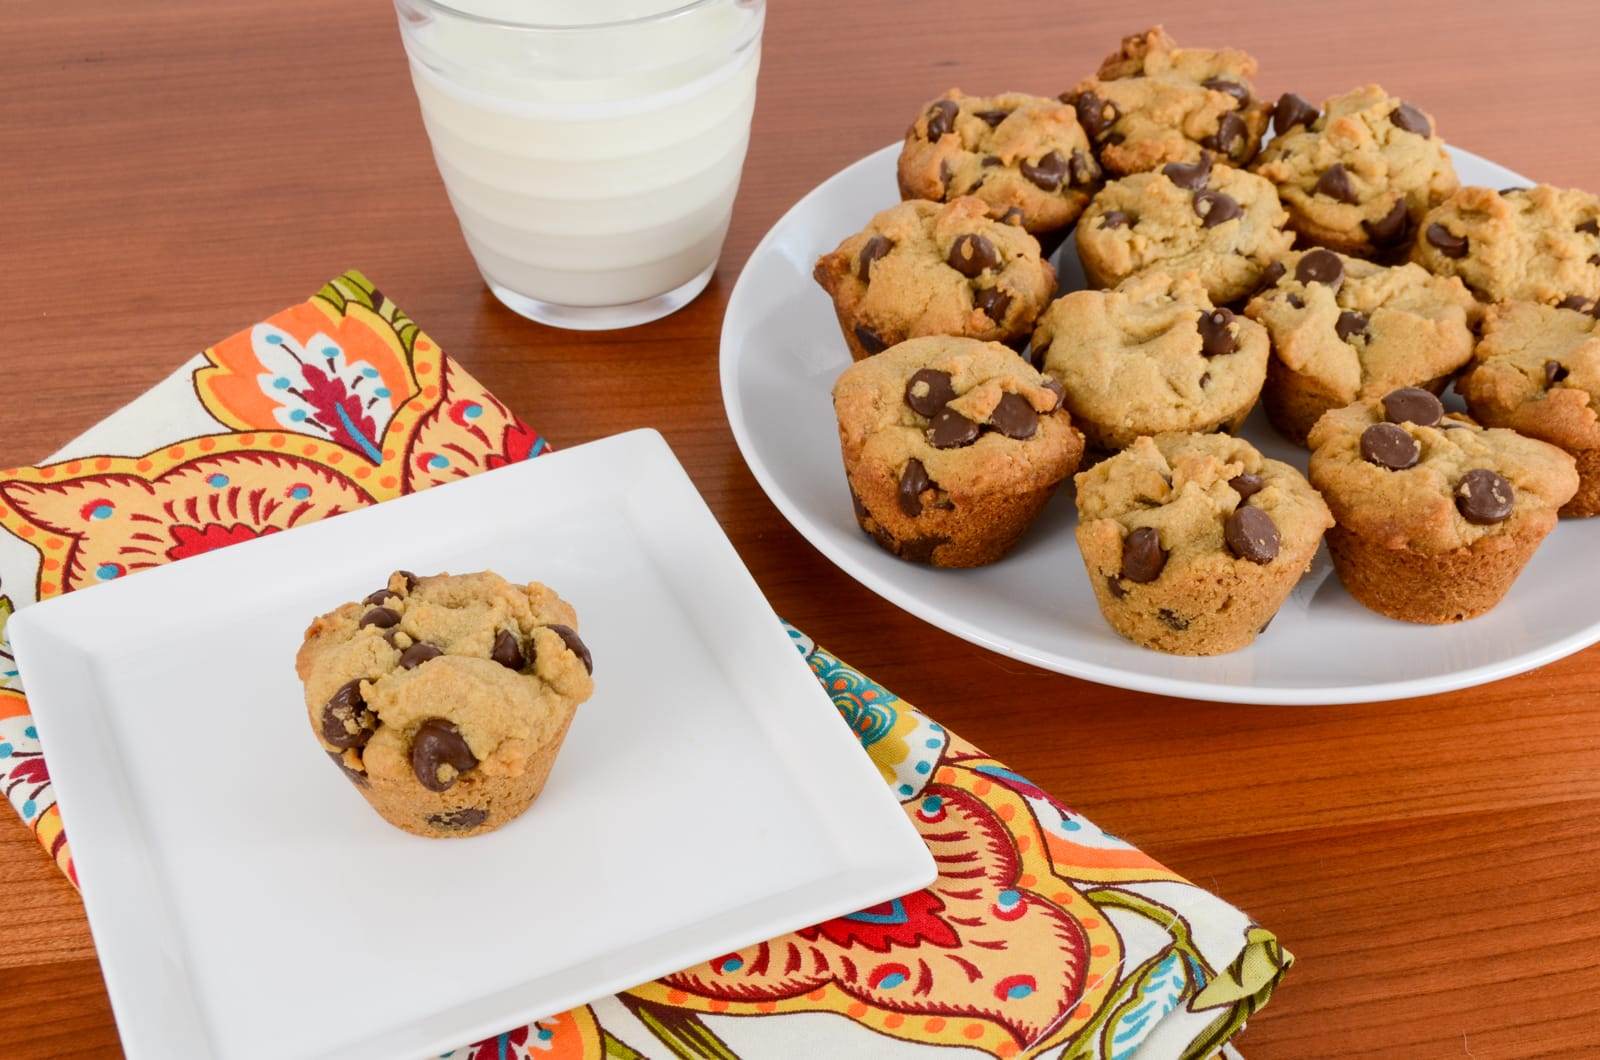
[(955, 624)]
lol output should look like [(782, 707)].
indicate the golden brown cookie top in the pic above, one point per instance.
[(1537, 371), (922, 268), (1192, 493), (1361, 172), (1151, 355), (1153, 102), (1024, 156), (1224, 224), (1401, 473), (1541, 244), (1358, 327), (975, 414), (428, 674)]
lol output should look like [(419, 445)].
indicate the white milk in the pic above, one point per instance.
[(591, 167)]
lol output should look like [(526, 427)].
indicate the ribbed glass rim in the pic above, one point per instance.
[(444, 7)]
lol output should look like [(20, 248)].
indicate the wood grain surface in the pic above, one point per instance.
[(171, 172)]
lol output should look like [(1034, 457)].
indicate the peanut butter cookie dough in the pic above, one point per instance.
[(921, 268), (1152, 355), (445, 699), (1153, 102), (1193, 541), (1223, 224), (1539, 244), (952, 447), (1537, 372), (1358, 176), (1343, 328), (1024, 156), (1436, 516)]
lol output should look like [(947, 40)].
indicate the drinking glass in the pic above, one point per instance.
[(591, 149)]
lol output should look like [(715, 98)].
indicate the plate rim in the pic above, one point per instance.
[(120, 869), (728, 360)]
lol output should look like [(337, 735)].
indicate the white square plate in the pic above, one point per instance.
[(247, 903)]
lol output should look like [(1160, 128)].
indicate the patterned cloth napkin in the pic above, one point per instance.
[(1042, 936)]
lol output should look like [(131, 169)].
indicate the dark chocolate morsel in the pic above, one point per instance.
[(470, 817), (951, 430), (913, 480), (876, 248), (419, 653), (1014, 417), (1445, 241), (1412, 404), (1251, 534), (1390, 447), (1320, 266), (1389, 229), (382, 617), (575, 644), (870, 340), (1216, 332), (1215, 207), (346, 722), (1484, 497), (1142, 555), (929, 390), (1292, 110), (507, 650), (438, 743)]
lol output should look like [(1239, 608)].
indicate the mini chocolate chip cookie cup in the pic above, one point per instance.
[(951, 448), (1436, 517), (445, 700), (1192, 542)]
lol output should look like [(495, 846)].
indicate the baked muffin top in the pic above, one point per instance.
[(1537, 371), (1023, 155), (1541, 244), (1224, 224), (1151, 355), (1193, 491), (436, 676), (974, 415), (1401, 473), (1355, 327), (1360, 173), (922, 268), (1153, 102)]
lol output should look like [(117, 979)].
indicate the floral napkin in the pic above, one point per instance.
[(1043, 936)]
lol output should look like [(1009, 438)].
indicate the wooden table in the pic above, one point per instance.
[(170, 175)]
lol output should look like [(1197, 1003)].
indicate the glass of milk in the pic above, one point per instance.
[(591, 148)]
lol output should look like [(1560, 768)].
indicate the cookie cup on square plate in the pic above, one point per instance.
[(1193, 541), (1436, 516), (951, 447), (445, 700), (1537, 372)]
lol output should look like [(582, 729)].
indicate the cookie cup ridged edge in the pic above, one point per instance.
[(1433, 588)]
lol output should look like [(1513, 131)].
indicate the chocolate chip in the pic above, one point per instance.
[(409, 578), (1484, 498), (1574, 301), (1270, 276), (990, 161), (928, 391), (1594, 259), (1114, 587), (1205, 378), (971, 255), (1389, 229), (1320, 266), (1554, 372), (1335, 184), (392, 638), (1142, 555), (992, 117), (1412, 404), (876, 248), (575, 645), (1055, 387), (913, 480), (417, 654), (1173, 620), (1048, 172), (1215, 207), (1591, 227), (357, 777), (346, 722), (1389, 447), (1216, 332), (1116, 219), (1231, 136), (507, 650), (946, 175), (1350, 324), (1190, 175), (1083, 168), (1251, 534), (870, 340), (1247, 485), (1240, 94), (380, 596), (1014, 417), (1412, 120), (951, 430), (993, 303), (382, 617), (1013, 217), (471, 817), (1447, 242), (438, 744), (1295, 300), (1096, 115), (942, 118), (1292, 110)]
